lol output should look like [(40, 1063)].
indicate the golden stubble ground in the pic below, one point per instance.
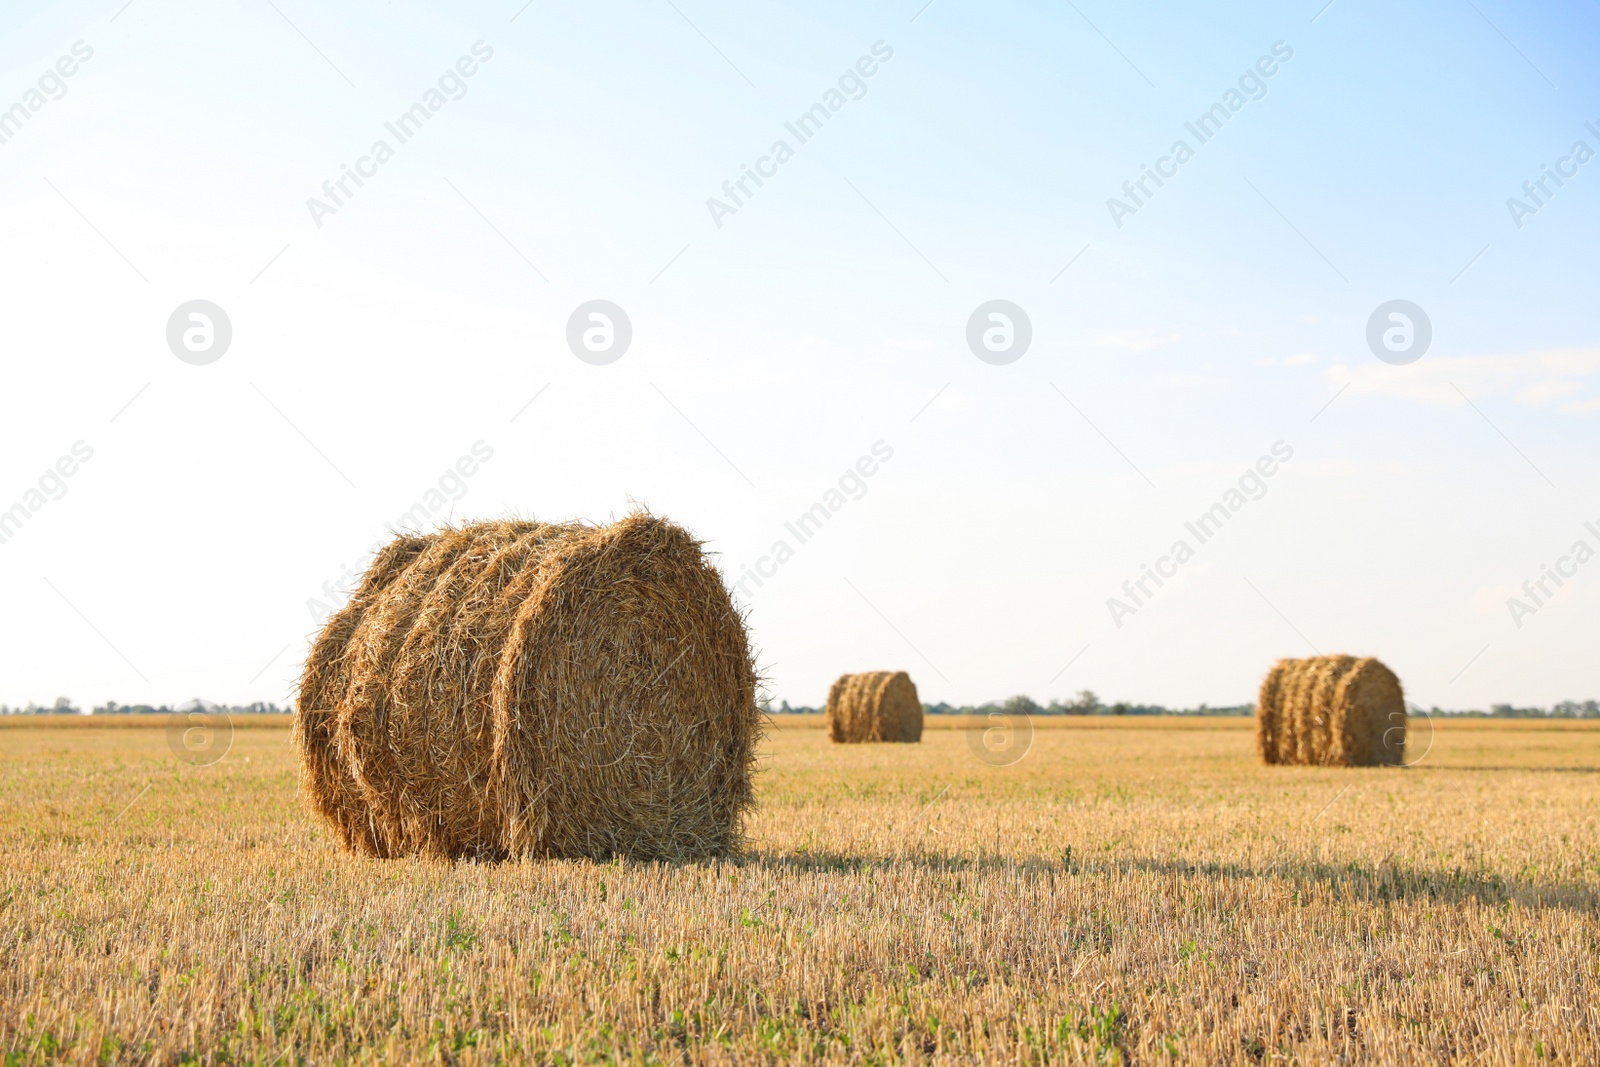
[(1131, 890)]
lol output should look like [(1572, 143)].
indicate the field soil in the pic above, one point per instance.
[(1130, 890)]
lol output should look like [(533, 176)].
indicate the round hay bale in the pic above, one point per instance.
[(531, 689), (324, 683), (441, 713), (1315, 710), (363, 723), (1369, 722), (403, 720), (624, 705), (1269, 712), (874, 706), (1331, 711)]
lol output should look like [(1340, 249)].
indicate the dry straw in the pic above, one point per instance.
[(531, 689), (334, 793), (874, 706), (1331, 711)]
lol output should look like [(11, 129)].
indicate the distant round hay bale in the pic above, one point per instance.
[(1369, 723), (1311, 707), (324, 684), (874, 706), (1269, 711), (531, 689), (1331, 711)]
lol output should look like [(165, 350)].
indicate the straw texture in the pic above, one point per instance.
[(874, 706), (1331, 711), (324, 684), (534, 689)]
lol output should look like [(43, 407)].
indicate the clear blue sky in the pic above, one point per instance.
[(826, 314)]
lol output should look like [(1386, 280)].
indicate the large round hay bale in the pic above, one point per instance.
[(363, 721), (324, 684), (874, 706), (1331, 711), (449, 661), (530, 689)]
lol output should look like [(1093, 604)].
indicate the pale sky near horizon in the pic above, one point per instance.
[(1173, 345)]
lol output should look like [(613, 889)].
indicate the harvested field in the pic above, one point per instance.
[(1142, 890)]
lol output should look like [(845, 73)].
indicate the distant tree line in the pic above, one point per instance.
[(1087, 703), (64, 706), (1567, 709)]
